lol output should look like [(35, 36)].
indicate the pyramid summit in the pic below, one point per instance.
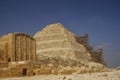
[(53, 28)]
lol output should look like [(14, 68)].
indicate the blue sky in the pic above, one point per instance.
[(99, 18)]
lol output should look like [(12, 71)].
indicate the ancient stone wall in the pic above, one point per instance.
[(17, 69), (3, 64), (17, 47), (85, 41), (10, 73), (96, 55), (17, 54), (25, 48), (6, 47), (82, 39)]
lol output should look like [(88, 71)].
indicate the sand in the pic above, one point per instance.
[(112, 75)]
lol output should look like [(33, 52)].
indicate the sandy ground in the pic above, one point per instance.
[(114, 75)]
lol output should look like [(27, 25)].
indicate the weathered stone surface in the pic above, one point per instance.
[(54, 41), (16, 48), (59, 51)]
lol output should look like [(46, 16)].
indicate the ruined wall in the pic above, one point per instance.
[(17, 47), (17, 69), (96, 55), (85, 41), (25, 48), (3, 64), (6, 47), (17, 53), (82, 39), (10, 73)]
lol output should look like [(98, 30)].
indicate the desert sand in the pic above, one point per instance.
[(111, 75)]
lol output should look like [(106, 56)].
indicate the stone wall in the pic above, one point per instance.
[(17, 69), (25, 48), (17, 53), (96, 55), (85, 41), (6, 47), (17, 47), (10, 73), (3, 64), (82, 39)]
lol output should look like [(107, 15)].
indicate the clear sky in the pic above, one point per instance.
[(99, 18)]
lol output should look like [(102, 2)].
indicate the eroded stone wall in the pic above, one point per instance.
[(17, 54), (6, 47), (96, 55), (25, 48)]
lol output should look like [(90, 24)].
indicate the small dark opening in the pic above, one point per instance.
[(24, 73), (9, 59), (33, 74)]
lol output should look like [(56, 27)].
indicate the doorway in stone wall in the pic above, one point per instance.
[(24, 72), (9, 59)]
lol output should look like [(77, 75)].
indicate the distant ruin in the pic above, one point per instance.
[(52, 48)]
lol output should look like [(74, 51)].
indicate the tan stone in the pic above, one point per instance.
[(56, 41), (59, 51), (17, 54)]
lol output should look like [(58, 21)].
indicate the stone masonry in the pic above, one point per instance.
[(53, 50)]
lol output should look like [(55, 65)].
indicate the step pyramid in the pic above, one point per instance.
[(56, 41)]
